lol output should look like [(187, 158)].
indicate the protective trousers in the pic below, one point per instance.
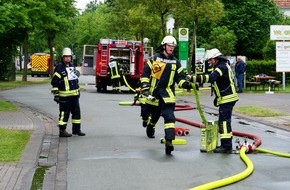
[(153, 113), (69, 105), (167, 112), (225, 128), (116, 84)]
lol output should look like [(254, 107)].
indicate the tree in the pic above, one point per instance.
[(251, 22), (55, 19), (194, 11), (138, 17), (14, 26), (223, 39)]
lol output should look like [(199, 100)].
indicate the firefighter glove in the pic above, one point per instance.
[(145, 89), (56, 99), (187, 85), (55, 92), (136, 97), (192, 78)]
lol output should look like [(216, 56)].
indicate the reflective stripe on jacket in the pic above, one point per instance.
[(222, 80), (161, 73), (65, 81)]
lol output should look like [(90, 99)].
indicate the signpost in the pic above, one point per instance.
[(281, 33), (183, 47)]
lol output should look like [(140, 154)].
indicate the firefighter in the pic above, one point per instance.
[(115, 73), (145, 115), (66, 90), (158, 80), (226, 96)]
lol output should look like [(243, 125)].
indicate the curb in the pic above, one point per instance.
[(45, 149)]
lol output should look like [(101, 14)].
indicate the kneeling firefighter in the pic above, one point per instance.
[(158, 80), (225, 92), (66, 90)]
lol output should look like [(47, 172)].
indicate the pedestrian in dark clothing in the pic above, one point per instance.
[(240, 69)]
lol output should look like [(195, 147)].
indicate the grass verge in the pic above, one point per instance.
[(13, 143), (14, 84), (257, 111), (6, 106)]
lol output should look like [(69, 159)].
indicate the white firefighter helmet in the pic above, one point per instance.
[(66, 52), (112, 58), (213, 53), (170, 40)]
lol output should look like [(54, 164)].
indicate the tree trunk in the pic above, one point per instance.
[(26, 58), (51, 50), (192, 49)]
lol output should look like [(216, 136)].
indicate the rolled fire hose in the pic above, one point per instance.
[(226, 181)]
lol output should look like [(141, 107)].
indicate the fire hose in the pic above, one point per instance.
[(243, 149), (127, 84), (226, 181)]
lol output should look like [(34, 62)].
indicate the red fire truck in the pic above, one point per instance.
[(130, 56)]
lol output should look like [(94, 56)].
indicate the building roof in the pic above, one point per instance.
[(283, 3)]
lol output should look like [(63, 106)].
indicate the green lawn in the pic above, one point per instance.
[(13, 143), (257, 111)]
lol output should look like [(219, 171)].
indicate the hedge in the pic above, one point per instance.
[(268, 67)]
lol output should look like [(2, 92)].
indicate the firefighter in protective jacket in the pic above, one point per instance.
[(226, 95), (115, 73), (158, 80), (66, 90)]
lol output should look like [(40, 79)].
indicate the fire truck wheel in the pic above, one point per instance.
[(99, 89)]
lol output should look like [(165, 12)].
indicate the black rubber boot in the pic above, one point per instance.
[(168, 147), (79, 133), (144, 123), (221, 149), (64, 133), (150, 131)]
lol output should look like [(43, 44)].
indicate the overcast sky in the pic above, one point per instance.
[(81, 4)]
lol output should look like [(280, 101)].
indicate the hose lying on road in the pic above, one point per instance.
[(226, 181), (273, 152), (244, 148)]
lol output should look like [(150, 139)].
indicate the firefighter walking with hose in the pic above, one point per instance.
[(226, 96), (66, 90), (158, 80)]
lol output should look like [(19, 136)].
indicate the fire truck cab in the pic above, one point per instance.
[(129, 56)]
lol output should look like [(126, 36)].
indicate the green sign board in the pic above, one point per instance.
[(183, 47)]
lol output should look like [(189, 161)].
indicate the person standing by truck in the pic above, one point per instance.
[(158, 80), (66, 90), (114, 72)]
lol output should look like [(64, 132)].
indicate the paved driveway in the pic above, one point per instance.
[(116, 154)]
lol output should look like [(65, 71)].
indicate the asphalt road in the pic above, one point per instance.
[(116, 154)]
